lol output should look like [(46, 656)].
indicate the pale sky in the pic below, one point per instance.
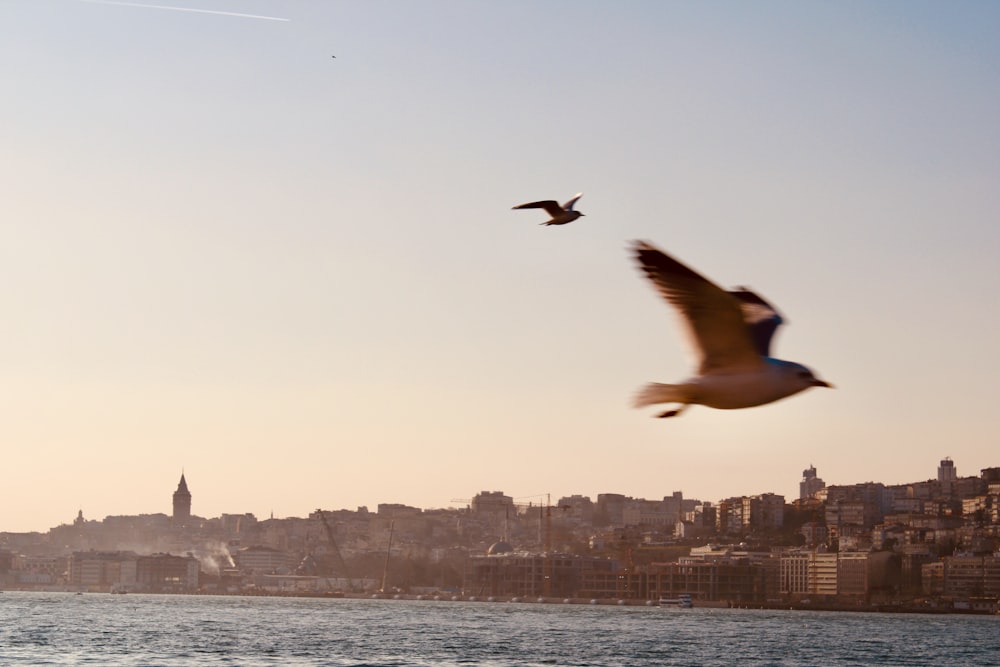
[(298, 278)]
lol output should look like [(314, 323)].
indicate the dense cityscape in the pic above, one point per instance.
[(931, 545)]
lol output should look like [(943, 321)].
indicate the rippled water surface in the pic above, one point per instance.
[(102, 629)]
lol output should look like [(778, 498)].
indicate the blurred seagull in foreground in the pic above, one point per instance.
[(560, 214), (731, 333)]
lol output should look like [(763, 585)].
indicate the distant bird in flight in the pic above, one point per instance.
[(560, 214), (731, 333)]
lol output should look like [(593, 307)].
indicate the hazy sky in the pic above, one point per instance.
[(299, 279)]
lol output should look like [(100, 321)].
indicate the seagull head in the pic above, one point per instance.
[(804, 377)]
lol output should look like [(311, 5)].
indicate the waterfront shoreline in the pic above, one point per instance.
[(534, 600)]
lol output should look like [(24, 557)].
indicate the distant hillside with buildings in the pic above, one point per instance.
[(934, 543)]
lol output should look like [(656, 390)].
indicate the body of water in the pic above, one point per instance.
[(150, 630)]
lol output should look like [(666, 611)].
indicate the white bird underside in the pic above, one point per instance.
[(731, 335)]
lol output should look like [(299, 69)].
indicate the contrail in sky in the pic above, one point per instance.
[(186, 9)]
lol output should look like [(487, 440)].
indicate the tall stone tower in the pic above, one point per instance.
[(182, 501)]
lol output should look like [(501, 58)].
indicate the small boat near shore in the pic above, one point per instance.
[(682, 601)]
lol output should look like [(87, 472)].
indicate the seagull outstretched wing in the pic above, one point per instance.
[(713, 318), (762, 318), (568, 206), (550, 205)]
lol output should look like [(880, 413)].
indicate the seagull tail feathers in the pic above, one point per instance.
[(655, 392)]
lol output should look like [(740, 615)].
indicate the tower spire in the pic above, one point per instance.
[(182, 501)]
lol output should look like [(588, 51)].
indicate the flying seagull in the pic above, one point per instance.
[(731, 332), (560, 214)]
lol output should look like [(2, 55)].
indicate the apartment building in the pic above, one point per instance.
[(808, 573), (852, 574), (966, 576), (743, 514), (103, 570), (38, 570)]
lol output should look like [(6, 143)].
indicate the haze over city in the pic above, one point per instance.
[(298, 278)]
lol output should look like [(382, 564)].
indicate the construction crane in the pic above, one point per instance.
[(339, 563), (547, 580), (388, 552)]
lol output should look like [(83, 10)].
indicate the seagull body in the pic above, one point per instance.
[(731, 333), (560, 215)]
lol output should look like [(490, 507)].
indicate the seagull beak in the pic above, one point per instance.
[(820, 383)]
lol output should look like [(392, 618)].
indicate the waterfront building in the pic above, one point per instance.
[(165, 573), (967, 576), (737, 580), (518, 574), (809, 573), (912, 560), (932, 578), (103, 570), (793, 573), (262, 560), (822, 573), (38, 570), (852, 574)]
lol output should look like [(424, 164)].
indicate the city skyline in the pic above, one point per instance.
[(928, 544), (183, 506), (300, 277)]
